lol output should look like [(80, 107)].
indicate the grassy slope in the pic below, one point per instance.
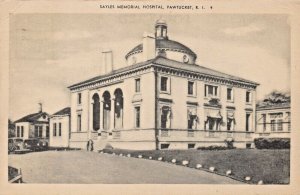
[(271, 166)]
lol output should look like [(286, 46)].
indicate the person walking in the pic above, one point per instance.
[(92, 145), (88, 145)]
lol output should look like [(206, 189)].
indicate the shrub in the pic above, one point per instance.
[(212, 148), (272, 143), (229, 143), (108, 146)]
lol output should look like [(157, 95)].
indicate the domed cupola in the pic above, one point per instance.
[(160, 45), (161, 29)]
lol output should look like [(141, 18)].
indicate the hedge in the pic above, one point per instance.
[(272, 143)]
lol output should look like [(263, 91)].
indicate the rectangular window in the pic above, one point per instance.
[(54, 129), (137, 111), (248, 97), (273, 125), (79, 122), (248, 122), (230, 120), (211, 90), (79, 98), (22, 131), (165, 117), (18, 131), (47, 132), (40, 132), (229, 94), (36, 131), (279, 125), (192, 118), (137, 85), (59, 129), (191, 88), (164, 83), (264, 116)]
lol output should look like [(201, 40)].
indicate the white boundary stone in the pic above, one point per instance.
[(228, 172)]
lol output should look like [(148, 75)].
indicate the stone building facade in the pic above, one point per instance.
[(162, 100), (34, 125), (274, 120), (60, 128)]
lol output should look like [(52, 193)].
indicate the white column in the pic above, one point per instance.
[(90, 117), (252, 121), (101, 114), (112, 115)]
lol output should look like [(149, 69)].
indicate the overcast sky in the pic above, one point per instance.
[(49, 52)]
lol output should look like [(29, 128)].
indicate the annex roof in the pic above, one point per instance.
[(273, 106), (64, 111), (31, 117)]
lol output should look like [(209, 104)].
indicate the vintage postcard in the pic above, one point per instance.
[(202, 93)]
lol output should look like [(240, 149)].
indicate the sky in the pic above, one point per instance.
[(49, 52)]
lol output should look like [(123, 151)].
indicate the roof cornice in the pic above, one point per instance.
[(146, 67)]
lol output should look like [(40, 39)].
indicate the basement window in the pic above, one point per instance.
[(191, 146), (248, 146), (164, 146)]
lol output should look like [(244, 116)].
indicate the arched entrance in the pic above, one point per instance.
[(118, 112), (106, 110), (96, 112)]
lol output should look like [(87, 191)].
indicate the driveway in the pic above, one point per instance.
[(89, 167)]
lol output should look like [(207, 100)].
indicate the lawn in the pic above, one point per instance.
[(270, 166)]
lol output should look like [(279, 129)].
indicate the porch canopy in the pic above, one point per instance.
[(213, 113), (230, 114)]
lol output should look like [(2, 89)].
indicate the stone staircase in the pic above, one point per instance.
[(99, 144)]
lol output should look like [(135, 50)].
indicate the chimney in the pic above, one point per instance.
[(148, 46), (107, 61), (40, 107)]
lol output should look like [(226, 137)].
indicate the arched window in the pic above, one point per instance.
[(118, 113), (106, 110), (96, 112)]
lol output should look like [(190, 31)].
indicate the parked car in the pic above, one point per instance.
[(16, 145), (35, 144), (44, 144)]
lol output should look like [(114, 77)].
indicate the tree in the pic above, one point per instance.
[(276, 97), (11, 128)]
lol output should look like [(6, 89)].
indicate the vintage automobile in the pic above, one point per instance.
[(16, 145), (36, 144), (44, 144)]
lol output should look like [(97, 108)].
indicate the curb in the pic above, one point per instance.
[(161, 159)]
